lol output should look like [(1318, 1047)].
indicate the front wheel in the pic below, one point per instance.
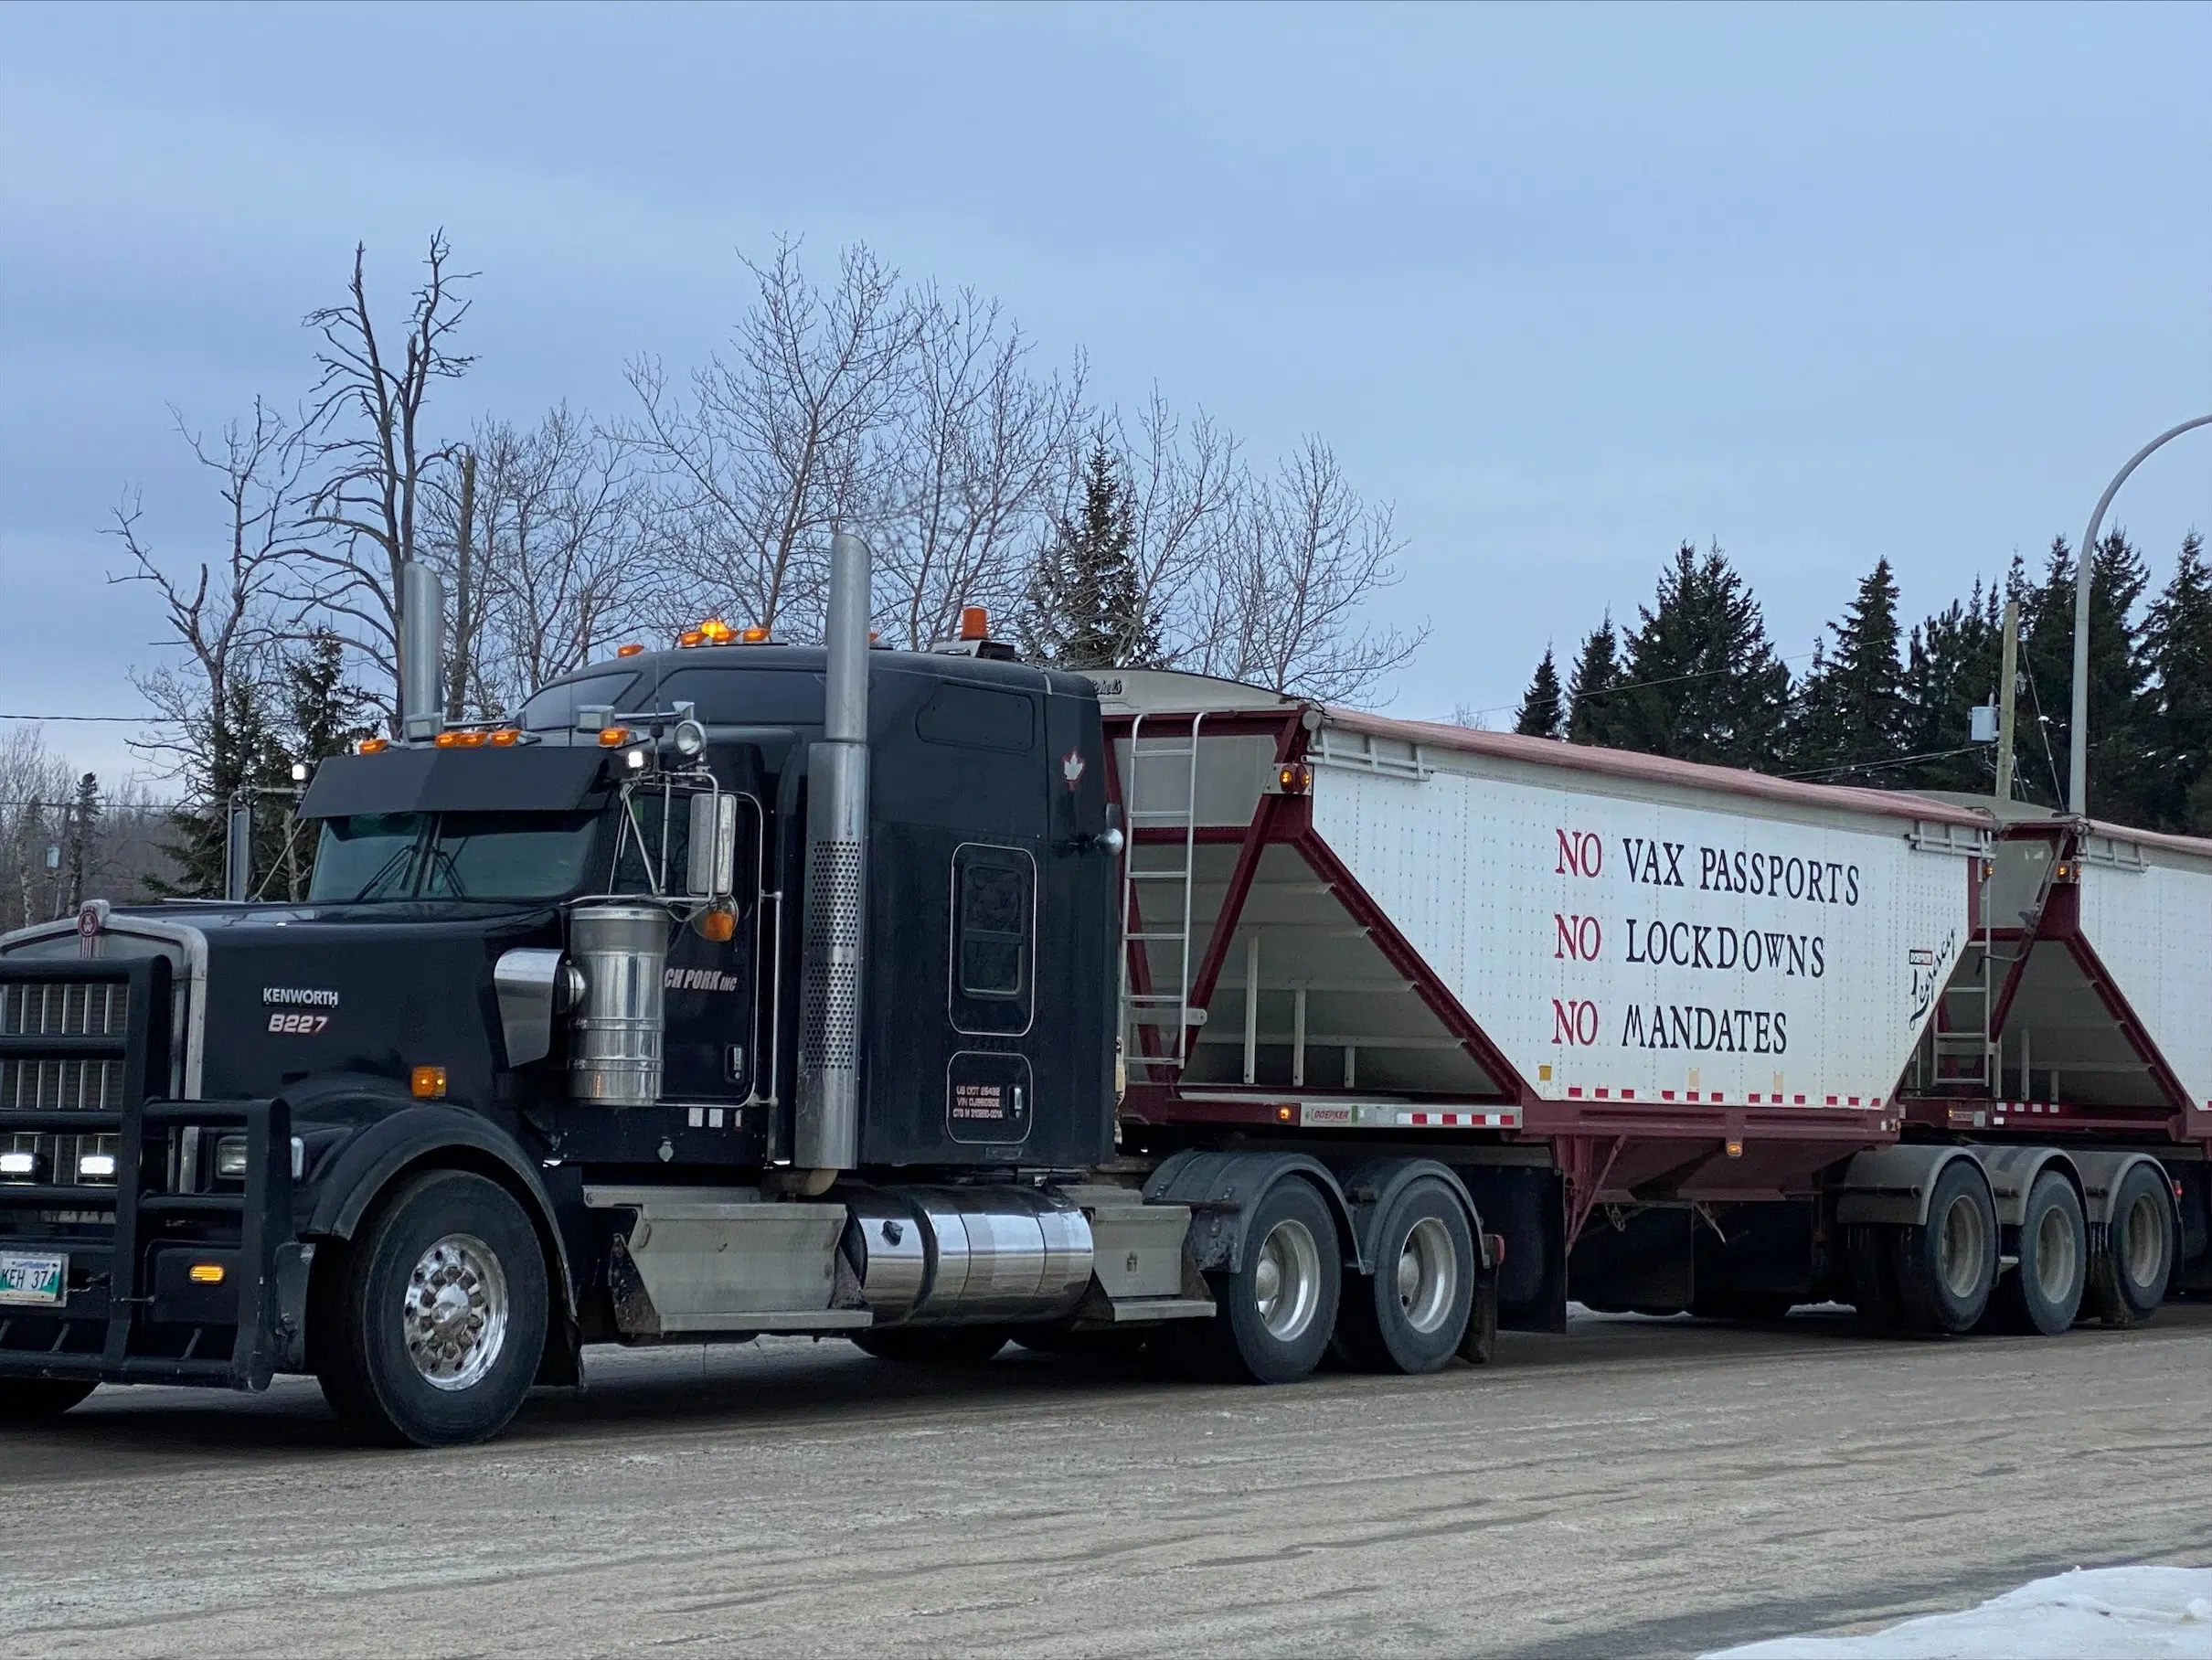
[(440, 1316), (1275, 1317), (29, 1399)]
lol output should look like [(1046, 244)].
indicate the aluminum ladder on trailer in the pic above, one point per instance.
[(1152, 1006)]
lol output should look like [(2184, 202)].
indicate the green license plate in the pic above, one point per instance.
[(41, 1280)]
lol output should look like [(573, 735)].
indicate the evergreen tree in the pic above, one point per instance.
[(240, 749), (2120, 759), (1597, 674), (1702, 679), (1952, 663), (1849, 712), (1543, 710), (84, 825), (1086, 604), (2177, 649)]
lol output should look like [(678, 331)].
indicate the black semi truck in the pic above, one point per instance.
[(730, 989)]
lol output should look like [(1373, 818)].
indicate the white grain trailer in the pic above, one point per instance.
[(1694, 1038)]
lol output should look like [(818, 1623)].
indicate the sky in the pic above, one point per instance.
[(1565, 285)]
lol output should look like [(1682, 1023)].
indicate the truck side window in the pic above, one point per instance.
[(977, 718), (993, 939), (637, 864)]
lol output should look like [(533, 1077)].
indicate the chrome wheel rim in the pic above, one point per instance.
[(1428, 1276), (456, 1313), (1286, 1281), (2143, 1246), (2057, 1256), (1965, 1246)]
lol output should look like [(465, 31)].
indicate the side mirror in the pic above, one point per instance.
[(714, 846)]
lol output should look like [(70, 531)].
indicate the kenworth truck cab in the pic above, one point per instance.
[(732, 989)]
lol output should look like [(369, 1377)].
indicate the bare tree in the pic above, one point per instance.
[(220, 612), (770, 450), (377, 462), (975, 452), (555, 524), (1184, 480), (1280, 597)]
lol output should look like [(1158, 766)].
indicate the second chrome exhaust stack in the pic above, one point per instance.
[(827, 1128)]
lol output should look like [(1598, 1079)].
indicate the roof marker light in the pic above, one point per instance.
[(375, 746), (715, 631), (447, 740), (506, 738), (974, 622), (631, 650), (690, 637), (754, 636)]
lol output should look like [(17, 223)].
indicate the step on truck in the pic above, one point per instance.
[(935, 1001)]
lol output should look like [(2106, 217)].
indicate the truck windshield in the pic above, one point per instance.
[(452, 856)]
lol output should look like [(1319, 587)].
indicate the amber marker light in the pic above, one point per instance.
[(205, 1273), (691, 636), (429, 1083), (506, 738), (470, 740), (613, 737), (375, 746), (718, 925), (715, 631), (1284, 1114), (753, 636), (1294, 778), (631, 650), (974, 622)]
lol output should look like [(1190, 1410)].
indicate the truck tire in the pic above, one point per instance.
[(439, 1316), (935, 1344), (29, 1399), (1409, 1315), (2044, 1293), (2128, 1278), (1273, 1318), (1947, 1267)]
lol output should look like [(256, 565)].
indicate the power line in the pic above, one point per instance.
[(1876, 766), (121, 719)]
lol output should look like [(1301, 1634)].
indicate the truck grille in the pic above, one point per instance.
[(65, 1008)]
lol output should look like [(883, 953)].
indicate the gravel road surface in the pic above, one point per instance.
[(1635, 1487)]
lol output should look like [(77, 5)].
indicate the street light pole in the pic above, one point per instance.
[(2077, 761)]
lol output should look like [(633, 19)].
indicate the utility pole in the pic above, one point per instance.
[(2007, 685)]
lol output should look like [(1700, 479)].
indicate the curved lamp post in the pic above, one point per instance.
[(2077, 763)]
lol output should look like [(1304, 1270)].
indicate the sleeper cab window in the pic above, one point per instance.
[(979, 718), (993, 939)]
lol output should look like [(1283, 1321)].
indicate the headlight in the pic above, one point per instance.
[(19, 1166), (230, 1159), (96, 1167)]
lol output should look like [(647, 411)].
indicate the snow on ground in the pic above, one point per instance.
[(2098, 1614)]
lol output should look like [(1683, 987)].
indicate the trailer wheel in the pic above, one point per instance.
[(2129, 1276), (2044, 1294), (935, 1344), (29, 1399), (442, 1313), (1409, 1315), (1273, 1318), (1946, 1268)]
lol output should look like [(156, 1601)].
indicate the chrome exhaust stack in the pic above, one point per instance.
[(826, 1126), (422, 652)]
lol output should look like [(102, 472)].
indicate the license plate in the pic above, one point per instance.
[(40, 1280)]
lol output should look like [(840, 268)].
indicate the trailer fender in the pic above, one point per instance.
[(1372, 1186), (1892, 1185), (2012, 1173), (1222, 1188), (419, 1136), (2101, 1173)]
